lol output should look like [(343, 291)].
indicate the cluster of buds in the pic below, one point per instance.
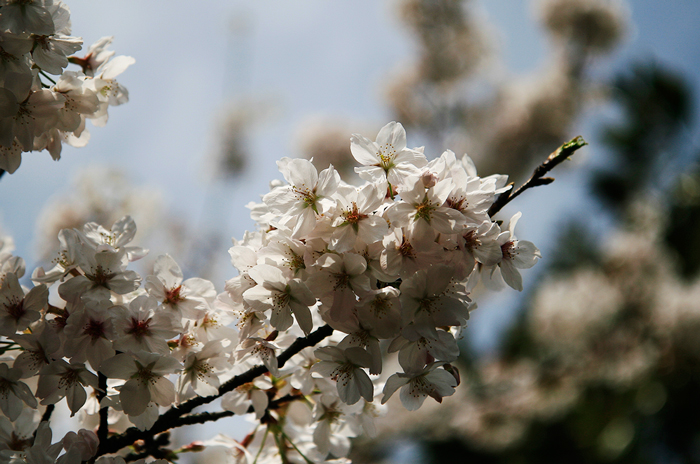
[(41, 112)]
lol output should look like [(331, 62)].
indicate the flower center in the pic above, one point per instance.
[(459, 204), (424, 211), (100, 275), (508, 249), (94, 329), (296, 263), (16, 308), (380, 307), (139, 329), (386, 154), (173, 296), (307, 196), (471, 240), (406, 249), (68, 379)]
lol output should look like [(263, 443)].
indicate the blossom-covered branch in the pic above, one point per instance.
[(177, 416), (40, 112), (338, 275)]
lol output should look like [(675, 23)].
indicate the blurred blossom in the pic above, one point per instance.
[(452, 42), (456, 90), (531, 117), (232, 155), (593, 26), (566, 314), (101, 195), (678, 318), (405, 99), (327, 143)]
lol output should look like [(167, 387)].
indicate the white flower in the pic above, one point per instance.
[(345, 368), (82, 444), (430, 299), (108, 90), (515, 254), (264, 349), (143, 326), (114, 239), (286, 254), (307, 195), (380, 309), (27, 16), (249, 394), (400, 258), (79, 101), (14, 393), (416, 351), (96, 56), (283, 296), (38, 348), (333, 427), (66, 261), (416, 386), (51, 51), (355, 219), (202, 368), (186, 299), (18, 435), (89, 333), (18, 310), (42, 451), (105, 272), (60, 379), (339, 278), (26, 113), (422, 212), (387, 159), (145, 379)]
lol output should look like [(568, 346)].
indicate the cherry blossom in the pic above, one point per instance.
[(344, 366), (307, 195), (18, 310), (387, 159), (60, 379), (416, 386), (14, 393), (284, 297), (145, 379)]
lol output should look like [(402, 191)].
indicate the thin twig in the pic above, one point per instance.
[(103, 428), (47, 413), (537, 178), (47, 77), (173, 417), (203, 417), (44, 418)]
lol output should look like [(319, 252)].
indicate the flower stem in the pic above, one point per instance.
[(559, 155)]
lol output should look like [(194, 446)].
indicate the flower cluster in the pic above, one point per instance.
[(39, 111), (386, 266)]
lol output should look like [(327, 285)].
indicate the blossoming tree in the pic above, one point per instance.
[(335, 276)]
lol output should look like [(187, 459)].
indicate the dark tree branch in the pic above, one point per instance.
[(46, 416), (201, 418), (173, 417), (103, 428), (537, 178)]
